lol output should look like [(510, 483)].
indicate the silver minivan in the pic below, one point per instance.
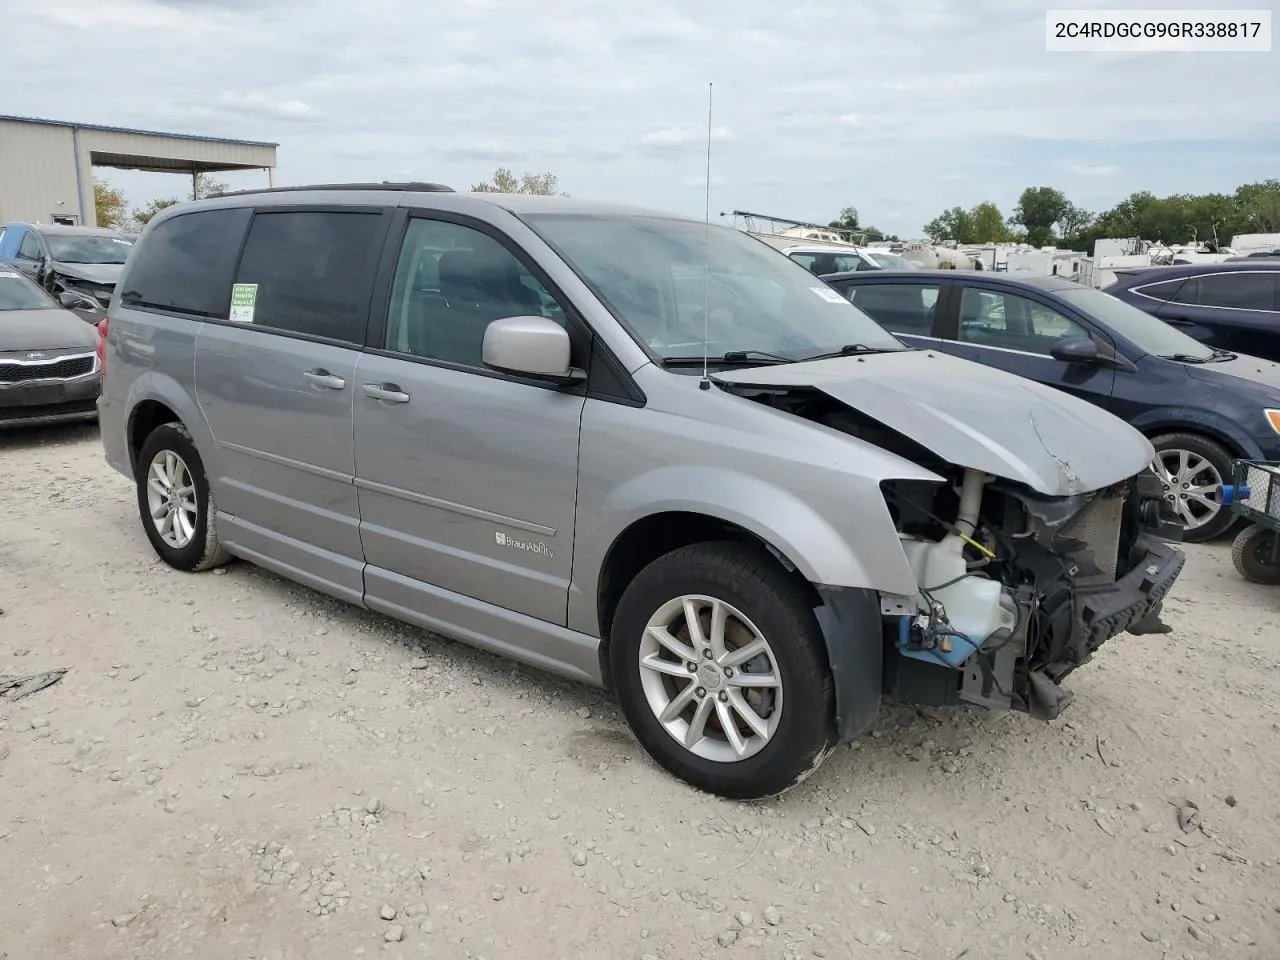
[(630, 448)]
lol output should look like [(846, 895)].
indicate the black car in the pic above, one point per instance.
[(1231, 305), (1200, 407), (49, 370), (83, 260)]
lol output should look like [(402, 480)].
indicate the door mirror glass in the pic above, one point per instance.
[(1075, 350), (533, 346)]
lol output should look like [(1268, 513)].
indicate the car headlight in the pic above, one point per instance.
[(1273, 418)]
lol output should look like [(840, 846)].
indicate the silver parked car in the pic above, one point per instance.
[(487, 415)]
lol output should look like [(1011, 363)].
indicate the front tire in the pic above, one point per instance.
[(1251, 552), (721, 670), (1193, 468), (175, 502)]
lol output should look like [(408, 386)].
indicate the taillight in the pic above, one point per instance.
[(102, 346)]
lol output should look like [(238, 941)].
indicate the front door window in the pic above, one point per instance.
[(1011, 322)]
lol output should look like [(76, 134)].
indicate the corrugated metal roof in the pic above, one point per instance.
[(143, 133)]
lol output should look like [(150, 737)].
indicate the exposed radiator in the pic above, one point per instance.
[(1097, 526)]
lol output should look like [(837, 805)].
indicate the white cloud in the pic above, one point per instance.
[(682, 134), (1093, 169), (934, 103), (257, 103), (702, 181), (817, 121)]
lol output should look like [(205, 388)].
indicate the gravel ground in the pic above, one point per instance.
[(236, 767)]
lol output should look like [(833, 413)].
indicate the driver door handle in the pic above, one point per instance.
[(387, 392), (323, 378)]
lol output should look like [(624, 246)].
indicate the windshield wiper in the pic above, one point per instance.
[(753, 357), (1223, 355), (855, 350), (1184, 358)]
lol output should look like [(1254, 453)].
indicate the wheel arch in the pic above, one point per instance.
[(143, 420), (847, 617), (154, 399), (1209, 427), (651, 536)]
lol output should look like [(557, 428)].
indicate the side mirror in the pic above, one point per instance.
[(1076, 350), (78, 301), (529, 346)]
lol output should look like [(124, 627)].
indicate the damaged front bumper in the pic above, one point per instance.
[(1131, 604), (1089, 574), (1063, 577)]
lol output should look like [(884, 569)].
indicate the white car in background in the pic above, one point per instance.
[(891, 261), (821, 259)]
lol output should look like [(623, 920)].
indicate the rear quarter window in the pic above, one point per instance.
[(1165, 290), (187, 263)]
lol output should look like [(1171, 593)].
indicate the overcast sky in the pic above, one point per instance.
[(900, 109)]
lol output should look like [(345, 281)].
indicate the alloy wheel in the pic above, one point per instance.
[(711, 678), (1192, 486), (171, 499)]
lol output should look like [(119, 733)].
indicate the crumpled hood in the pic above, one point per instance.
[(1263, 373), (55, 329), (975, 416), (107, 273)]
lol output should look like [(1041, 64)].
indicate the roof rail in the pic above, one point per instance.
[(410, 187)]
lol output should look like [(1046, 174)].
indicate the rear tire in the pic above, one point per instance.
[(1193, 461), (175, 502), (1251, 552), (748, 719)]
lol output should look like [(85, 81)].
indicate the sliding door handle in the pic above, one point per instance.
[(323, 378), (387, 392)]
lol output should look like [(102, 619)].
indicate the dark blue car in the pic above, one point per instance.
[(1201, 407), (1233, 305)]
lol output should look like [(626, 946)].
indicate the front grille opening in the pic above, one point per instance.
[(63, 369), (38, 410)]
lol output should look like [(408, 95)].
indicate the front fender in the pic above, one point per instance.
[(1195, 420), (822, 552)]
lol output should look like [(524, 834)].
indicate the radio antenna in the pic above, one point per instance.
[(706, 260)]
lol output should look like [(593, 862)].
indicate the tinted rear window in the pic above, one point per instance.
[(186, 264), (1243, 291), (313, 271)]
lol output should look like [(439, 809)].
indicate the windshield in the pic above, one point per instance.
[(90, 248), (665, 278), (19, 293), (1141, 329)]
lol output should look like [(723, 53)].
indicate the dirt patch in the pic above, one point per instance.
[(236, 767)]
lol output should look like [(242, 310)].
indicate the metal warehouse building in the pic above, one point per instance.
[(46, 166)]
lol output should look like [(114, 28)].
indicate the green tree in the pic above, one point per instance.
[(987, 224), (875, 235), (203, 185), (1038, 209), (1072, 222), (142, 215), (848, 220), (1256, 208), (954, 224), (504, 181), (849, 223), (108, 204)]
